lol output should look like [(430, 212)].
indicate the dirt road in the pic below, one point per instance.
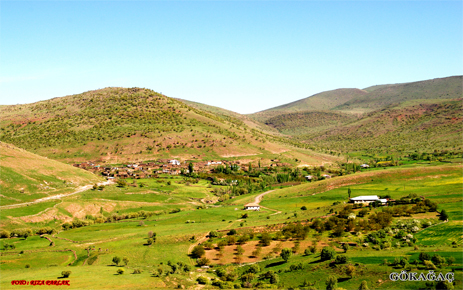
[(258, 198), (58, 196)]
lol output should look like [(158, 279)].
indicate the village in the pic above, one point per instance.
[(163, 166)]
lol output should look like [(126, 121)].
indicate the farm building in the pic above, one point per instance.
[(252, 206), (368, 199), (365, 166), (174, 162)]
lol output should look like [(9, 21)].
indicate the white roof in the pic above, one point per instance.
[(383, 200), (366, 197)]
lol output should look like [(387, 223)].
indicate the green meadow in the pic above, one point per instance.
[(180, 221)]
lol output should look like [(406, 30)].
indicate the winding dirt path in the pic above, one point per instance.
[(58, 196), (259, 198)]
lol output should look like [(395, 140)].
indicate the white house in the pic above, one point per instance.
[(368, 199), (326, 176), (174, 162), (365, 166), (309, 177), (252, 206)]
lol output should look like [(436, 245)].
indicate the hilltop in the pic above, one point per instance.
[(133, 124), (27, 176), (424, 115)]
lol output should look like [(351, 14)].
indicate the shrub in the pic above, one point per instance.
[(198, 252), (303, 207), (203, 261), (66, 274), (364, 286), (213, 234), (232, 232), (137, 271), (331, 283), (341, 259), (4, 234), (28, 266), (327, 253), (116, 260), (202, 280), (120, 271), (286, 254)]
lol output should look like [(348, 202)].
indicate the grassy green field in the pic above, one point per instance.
[(178, 232)]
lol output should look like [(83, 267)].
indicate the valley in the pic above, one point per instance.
[(126, 188)]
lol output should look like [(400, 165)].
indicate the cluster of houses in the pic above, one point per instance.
[(148, 169)]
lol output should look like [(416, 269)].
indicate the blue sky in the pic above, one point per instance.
[(244, 56)]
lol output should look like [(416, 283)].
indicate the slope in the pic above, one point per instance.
[(379, 97), (26, 176), (425, 125), (321, 101), (118, 124)]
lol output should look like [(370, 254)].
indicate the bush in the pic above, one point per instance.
[(286, 254), (202, 280), (341, 259), (303, 207), (213, 234), (327, 253), (331, 283), (137, 271), (116, 260), (198, 252), (203, 261), (4, 234), (66, 274), (120, 271)]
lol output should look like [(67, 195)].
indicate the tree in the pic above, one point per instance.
[(265, 239), (239, 251), (331, 283), (254, 268), (116, 260), (424, 257), (125, 260), (363, 286), (66, 274), (349, 192), (340, 259), (203, 261), (190, 168), (443, 215), (350, 270), (327, 253), (202, 280), (121, 183), (286, 254), (198, 252), (345, 247), (256, 252)]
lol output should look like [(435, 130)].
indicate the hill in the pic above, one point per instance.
[(321, 101), (118, 124), (423, 126), (356, 101), (226, 114), (379, 97), (398, 117), (26, 176)]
